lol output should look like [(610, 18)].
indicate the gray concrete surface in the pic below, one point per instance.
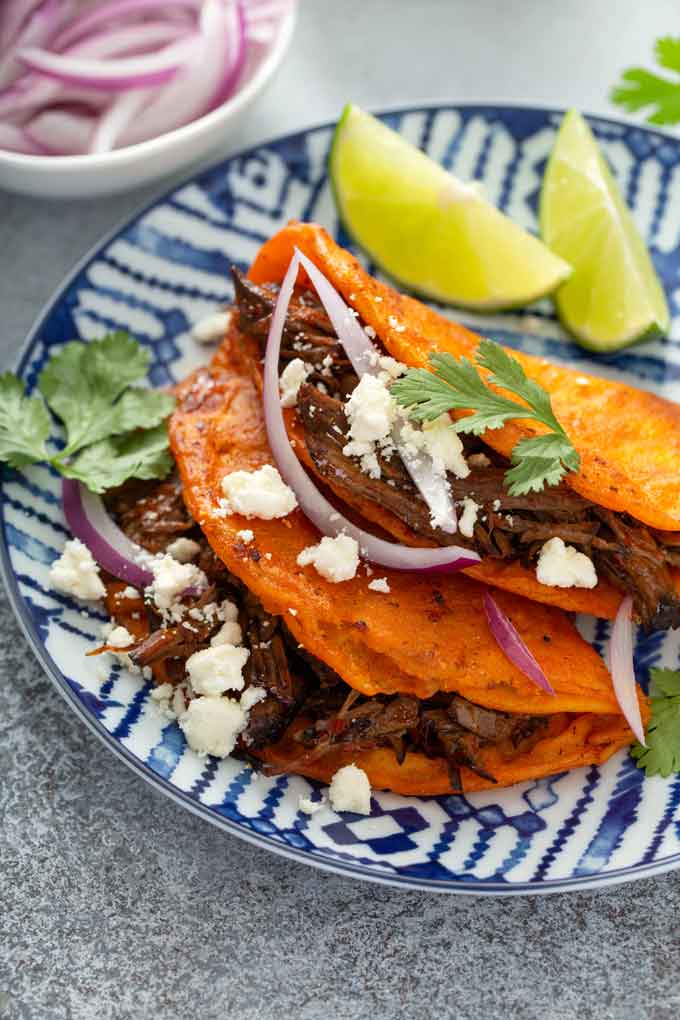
[(115, 903)]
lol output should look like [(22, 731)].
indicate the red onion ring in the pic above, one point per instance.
[(363, 355), (312, 502), (622, 668), (508, 639), (114, 74), (89, 521), (103, 14), (52, 57)]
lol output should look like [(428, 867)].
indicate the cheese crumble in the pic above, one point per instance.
[(262, 493), (336, 559), (468, 517), (217, 669), (350, 790), (213, 725), (563, 566), (371, 410), (184, 550), (380, 584), (213, 327), (292, 378), (170, 579), (76, 573)]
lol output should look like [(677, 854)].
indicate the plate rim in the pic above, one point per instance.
[(456, 886)]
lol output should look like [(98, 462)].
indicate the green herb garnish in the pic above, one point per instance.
[(455, 384), (661, 756), (640, 89), (113, 431)]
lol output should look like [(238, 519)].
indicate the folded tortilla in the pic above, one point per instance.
[(628, 439), (571, 742), (428, 634)]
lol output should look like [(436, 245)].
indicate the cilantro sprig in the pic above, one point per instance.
[(456, 384), (113, 430), (661, 756), (640, 89)]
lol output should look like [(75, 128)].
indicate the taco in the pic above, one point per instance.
[(404, 680), (621, 510)]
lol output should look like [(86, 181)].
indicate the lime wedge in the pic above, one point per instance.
[(429, 230), (614, 296)]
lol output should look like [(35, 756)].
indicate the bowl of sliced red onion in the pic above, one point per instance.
[(97, 96)]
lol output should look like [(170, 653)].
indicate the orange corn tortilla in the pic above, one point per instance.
[(571, 742), (628, 439), (428, 634), (602, 601)]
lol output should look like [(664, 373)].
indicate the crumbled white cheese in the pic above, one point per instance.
[(391, 366), (468, 518), (163, 692), (478, 460), (563, 566), (336, 559), (371, 410), (213, 327), (228, 634), (262, 493), (292, 378), (444, 445), (130, 592), (213, 725), (246, 536), (164, 698), (184, 550), (170, 579), (293, 612), (496, 505), (350, 790), (76, 573), (217, 669), (367, 456), (120, 637), (380, 584), (309, 806), (251, 696)]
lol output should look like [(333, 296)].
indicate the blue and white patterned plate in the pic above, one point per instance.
[(165, 270)]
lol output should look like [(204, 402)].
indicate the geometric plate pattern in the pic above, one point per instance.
[(166, 269)]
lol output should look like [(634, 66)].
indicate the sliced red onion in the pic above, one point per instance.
[(508, 639), (33, 90), (623, 669), (119, 115), (16, 139), (312, 502), (432, 485), (204, 81), (61, 131), (105, 14), (59, 52), (35, 32), (89, 521), (111, 75)]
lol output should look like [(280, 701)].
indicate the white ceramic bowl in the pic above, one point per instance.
[(89, 175)]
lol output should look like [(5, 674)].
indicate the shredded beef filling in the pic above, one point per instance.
[(633, 557), (297, 684)]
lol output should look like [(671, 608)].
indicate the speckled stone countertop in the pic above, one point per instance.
[(114, 902)]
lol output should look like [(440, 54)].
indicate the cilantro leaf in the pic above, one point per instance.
[(456, 384), (113, 431), (82, 384), (108, 463), (24, 424), (640, 89), (661, 756)]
